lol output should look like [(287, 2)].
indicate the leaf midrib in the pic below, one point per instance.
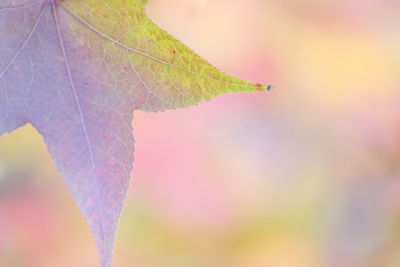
[(156, 59), (78, 103), (67, 65)]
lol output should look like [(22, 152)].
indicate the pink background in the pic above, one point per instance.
[(305, 175)]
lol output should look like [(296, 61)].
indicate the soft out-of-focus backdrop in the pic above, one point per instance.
[(307, 175)]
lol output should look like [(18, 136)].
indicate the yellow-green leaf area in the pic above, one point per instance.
[(170, 71)]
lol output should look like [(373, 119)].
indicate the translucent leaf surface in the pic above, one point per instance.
[(76, 70)]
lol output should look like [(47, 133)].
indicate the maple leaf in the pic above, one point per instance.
[(76, 70)]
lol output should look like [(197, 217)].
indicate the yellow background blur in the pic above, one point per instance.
[(306, 175)]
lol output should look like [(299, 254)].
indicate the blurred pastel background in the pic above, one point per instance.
[(307, 175)]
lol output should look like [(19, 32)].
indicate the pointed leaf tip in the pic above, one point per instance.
[(75, 70), (264, 87)]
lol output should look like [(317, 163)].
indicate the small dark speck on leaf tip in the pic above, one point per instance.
[(263, 87)]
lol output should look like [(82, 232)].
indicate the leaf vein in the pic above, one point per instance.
[(116, 42), (81, 116), (24, 43), (8, 8)]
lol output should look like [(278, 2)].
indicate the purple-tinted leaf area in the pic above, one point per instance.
[(46, 81), (76, 70)]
